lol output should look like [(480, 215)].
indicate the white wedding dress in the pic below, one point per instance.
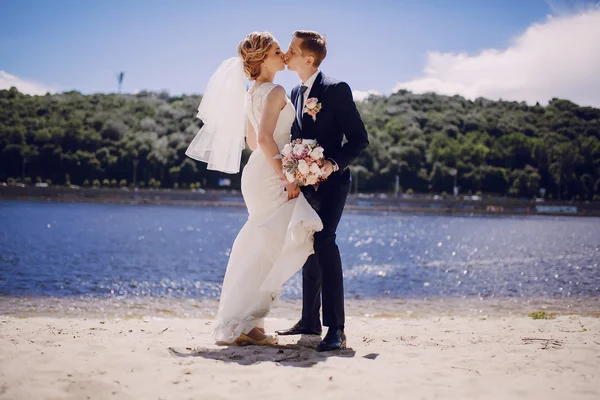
[(275, 241)]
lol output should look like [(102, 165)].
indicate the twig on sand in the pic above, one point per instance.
[(164, 330), (293, 356), (467, 369), (545, 342)]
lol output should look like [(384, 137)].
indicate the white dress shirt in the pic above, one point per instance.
[(309, 83)]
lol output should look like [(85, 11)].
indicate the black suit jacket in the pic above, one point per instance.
[(338, 118)]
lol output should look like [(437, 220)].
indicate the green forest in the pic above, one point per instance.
[(490, 147)]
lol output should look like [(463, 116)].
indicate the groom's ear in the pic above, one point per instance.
[(310, 60)]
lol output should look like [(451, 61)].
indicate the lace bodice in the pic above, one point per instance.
[(254, 109)]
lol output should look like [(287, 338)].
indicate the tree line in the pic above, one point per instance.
[(429, 141)]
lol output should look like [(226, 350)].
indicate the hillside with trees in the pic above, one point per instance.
[(429, 141)]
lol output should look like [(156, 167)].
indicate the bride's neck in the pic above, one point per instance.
[(265, 78), (260, 81)]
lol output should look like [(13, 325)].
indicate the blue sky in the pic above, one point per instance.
[(176, 45)]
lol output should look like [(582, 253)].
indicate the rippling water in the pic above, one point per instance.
[(83, 250)]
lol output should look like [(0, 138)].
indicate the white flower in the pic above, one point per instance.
[(314, 168), (317, 153), (290, 177), (287, 149), (303, 167), (311, 103), (312, 179), (307, 142), (299, 149)]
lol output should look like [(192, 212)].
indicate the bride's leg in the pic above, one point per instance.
[(260, 325), (256, 334), (258, 331)]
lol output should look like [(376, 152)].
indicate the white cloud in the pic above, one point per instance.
[(570, 7), (361, 95), (557, 58), (28, 87)]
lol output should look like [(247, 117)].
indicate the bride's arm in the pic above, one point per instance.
[(251, 136), (273, 105)]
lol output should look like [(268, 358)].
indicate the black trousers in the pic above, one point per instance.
[(322, 277)]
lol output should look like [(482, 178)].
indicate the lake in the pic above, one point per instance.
[(99, 251)]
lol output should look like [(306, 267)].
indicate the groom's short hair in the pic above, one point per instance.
[(313, 43)]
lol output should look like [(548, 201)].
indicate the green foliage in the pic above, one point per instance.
[(100, 137), (540, 315), (495, 147)]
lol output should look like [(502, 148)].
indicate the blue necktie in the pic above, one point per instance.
[(300, 105)]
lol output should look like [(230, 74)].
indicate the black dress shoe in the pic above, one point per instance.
[(300, 329), (334, 340)]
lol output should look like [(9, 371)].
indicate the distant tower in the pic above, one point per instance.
[(120, 76)]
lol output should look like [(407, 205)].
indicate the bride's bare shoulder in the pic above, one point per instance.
[(277, 90), (276, 96)]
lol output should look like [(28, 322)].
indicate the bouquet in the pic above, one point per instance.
[(302, 162)]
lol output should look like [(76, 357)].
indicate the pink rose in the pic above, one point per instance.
[(311, 103)]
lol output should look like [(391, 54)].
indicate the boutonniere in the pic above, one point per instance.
[(312, 107)]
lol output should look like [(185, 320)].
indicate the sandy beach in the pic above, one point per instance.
[(411, 357)]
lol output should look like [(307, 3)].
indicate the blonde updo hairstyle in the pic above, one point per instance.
[(253, 50)]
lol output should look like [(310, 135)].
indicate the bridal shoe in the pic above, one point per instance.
[(245, 340)]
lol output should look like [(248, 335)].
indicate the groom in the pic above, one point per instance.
[(336, 118)]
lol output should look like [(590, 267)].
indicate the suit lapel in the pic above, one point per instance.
[(316, 87), (315, 91)]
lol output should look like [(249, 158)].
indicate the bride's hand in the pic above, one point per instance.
[(293, 191)]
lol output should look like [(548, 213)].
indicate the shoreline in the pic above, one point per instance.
[(447, 211), (383, 202), (385, 308)]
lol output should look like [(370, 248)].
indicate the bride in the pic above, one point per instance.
[(278, 237)]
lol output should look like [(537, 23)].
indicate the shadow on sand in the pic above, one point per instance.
[(301, 354)]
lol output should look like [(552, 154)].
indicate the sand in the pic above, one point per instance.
[(428, 357)]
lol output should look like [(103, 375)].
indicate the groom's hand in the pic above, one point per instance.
[(327, 168)]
